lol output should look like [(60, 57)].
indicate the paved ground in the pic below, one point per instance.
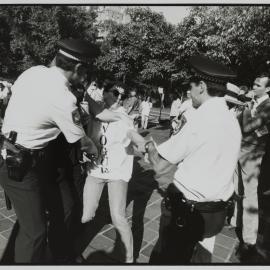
[(143, 212)]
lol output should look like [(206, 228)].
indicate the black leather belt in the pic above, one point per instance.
[(205, 207), (32, 152)]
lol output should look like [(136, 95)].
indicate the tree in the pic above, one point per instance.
[(237, 36), (29, 33), (141, 50)]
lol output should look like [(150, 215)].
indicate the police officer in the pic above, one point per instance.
[(205, 150), (41, 107)]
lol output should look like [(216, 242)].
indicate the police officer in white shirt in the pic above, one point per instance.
[(205, 150), (40, 108)]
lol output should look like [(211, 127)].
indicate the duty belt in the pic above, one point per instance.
[(177, 198), (16, 148)]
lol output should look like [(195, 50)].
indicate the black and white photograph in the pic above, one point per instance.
[(134, 134)]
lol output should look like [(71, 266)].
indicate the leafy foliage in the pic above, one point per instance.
[(148, 51), (234, 35), (141, 50), (29, 34)]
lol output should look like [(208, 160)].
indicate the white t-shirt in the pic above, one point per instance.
[(119, 151), (175, 107), (146, 108), (42, 106), (206, 151)]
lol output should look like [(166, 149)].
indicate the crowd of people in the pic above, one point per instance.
[(65, 137)]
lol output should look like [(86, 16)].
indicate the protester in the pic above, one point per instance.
[(145, 109), (113, 168), (252, 151), (194, 212)]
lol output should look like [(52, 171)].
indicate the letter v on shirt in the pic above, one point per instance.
[(119, 151)]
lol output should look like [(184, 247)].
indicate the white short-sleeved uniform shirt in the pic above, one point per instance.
[(42, 106), (120, 155), (206, 150), (187, 109)]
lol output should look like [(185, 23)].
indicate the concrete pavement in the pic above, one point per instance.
[(143, 211)]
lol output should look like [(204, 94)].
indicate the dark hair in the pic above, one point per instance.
[(107, 85), (66, 63), (213, 89), (110, 86), (265, 75)]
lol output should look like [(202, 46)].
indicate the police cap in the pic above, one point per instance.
[(208, 70), (78, 50)]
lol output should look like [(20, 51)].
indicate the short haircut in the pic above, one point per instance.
[(213, 89), (265, 75)]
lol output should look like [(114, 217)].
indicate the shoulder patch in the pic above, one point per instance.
[(76, 118), (179, 124)]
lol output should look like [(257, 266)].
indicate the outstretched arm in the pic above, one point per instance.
[(137, 139), (105, 115), (160, 165), (109, 116)]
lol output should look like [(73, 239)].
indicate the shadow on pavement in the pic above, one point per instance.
[(141, 187), (140, 190)]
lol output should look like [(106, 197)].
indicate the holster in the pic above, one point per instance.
[(18, 159), (200, 219), (18, 164)]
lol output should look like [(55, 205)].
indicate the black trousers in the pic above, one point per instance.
[(44, 205), (173, 247), (179, 244)]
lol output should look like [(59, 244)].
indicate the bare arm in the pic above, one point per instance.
[(137, 139), (105, 115), (160, 165), (109, 116), (88, 146)]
